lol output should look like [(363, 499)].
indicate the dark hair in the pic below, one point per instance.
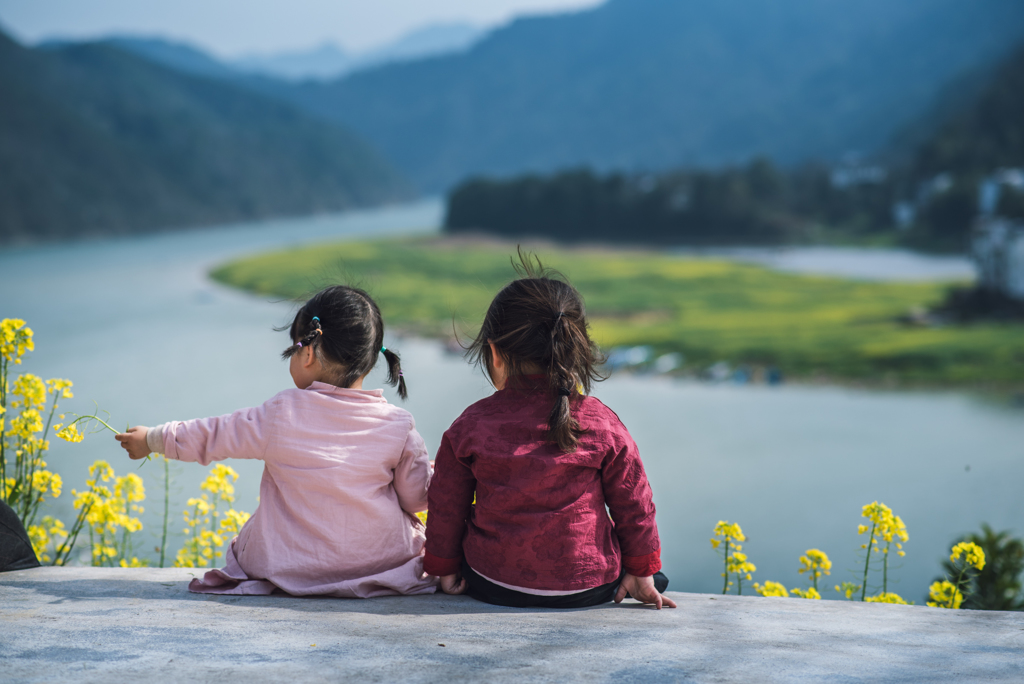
[(538, 322), (344, 327)]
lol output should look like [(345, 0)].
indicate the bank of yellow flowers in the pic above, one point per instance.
[(108, 508), (886, 533)]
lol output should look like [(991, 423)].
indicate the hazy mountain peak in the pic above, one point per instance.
[(328, 60), (325, 60)]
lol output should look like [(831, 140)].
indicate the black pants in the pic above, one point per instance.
[(15, 549), (489, 592)]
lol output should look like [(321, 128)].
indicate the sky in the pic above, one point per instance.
[(233, 27)]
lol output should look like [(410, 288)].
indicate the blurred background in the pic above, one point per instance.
[(798, 225)]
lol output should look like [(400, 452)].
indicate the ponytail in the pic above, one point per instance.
[(395, 376), (563, 428)]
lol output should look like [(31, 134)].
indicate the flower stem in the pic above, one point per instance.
[(885, 569), (167, 495), (725, 588), (867, 561)]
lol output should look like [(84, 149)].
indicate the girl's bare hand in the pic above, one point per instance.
[(642, 589), (453, 584), (134, 442)]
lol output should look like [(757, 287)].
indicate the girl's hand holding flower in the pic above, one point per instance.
[(134, 442)]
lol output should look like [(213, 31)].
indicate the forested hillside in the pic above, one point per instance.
[(760, 203), (655, 84), (94, 140)]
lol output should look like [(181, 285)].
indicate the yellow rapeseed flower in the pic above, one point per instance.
[(810, 593), (729, 531), (847, 588), (29, 392), (61, 387), (972, 554), (15, 339), (220, 482), (233, 521), (26, 425), (70, 433), (770, 588), (815, 562), (886, 598), (944, 594)]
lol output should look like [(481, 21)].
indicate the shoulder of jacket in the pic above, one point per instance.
[(467, 419)]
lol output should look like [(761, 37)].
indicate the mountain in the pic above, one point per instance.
[(976, 150), (986, 133), (328, 61), (94, 140), (177, 55), (428, 41), (651, 84), (321, 62)]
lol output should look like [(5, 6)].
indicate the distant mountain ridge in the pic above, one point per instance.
[(96, 141), (329, 61), (651, 84), (322, 62)]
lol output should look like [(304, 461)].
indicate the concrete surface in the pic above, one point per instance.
[(113, 625)]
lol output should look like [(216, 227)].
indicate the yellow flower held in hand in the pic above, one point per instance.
[(69, 434)]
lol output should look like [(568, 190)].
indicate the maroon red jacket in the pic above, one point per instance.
[(539, 520)]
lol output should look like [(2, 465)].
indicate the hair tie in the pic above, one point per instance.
[(558, 317), (383, 349), (564, 392), (299, 344)]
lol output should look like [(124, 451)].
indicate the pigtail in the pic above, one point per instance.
[(395, 376), (563, 428), (309, 340), (346, 335)]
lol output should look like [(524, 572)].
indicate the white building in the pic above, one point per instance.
[(997, 247)]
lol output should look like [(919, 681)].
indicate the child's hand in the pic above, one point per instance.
[(642, 589), (134, 442), (453, 584)]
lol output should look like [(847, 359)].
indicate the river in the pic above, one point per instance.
[(142, 331)]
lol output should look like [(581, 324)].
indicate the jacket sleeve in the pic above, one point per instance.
[(450, 499), (631, 505), (242, 434), (412, 474)]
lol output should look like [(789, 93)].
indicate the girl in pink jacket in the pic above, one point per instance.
[(344, 471)]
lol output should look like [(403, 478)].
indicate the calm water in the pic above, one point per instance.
[(142, 332)]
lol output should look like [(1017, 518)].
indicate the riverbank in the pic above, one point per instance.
[(707, 309), (106, 624)]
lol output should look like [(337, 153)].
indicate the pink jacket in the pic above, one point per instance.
[(344, 472)]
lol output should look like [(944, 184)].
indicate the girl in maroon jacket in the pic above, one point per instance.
[(543, 460)]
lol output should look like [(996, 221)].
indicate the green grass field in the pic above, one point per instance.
[(709, 310)]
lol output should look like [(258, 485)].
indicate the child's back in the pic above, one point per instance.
[(344, 472), (547, 465), (533, 499), (342, 468)]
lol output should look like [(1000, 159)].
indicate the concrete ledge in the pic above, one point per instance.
[(94, 624)]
